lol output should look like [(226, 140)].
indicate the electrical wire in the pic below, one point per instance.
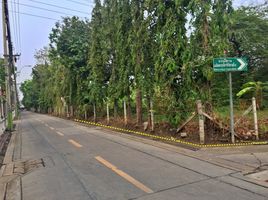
[(19, 24), (80, 3), (38, 16), (32, 15), (16, 25), (15, 38), (53, 5), (45, 9), (86, 0)]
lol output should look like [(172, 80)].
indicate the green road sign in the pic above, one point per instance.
[(229, 64)]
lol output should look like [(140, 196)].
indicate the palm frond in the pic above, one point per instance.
[(244, 91)]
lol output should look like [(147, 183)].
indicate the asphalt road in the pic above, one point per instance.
[(92, 163)]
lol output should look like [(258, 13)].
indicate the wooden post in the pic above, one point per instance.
[(94, 112), (201, 122), (2, 109), (255, 118), (125, 112), (152, 115), (85, 114), (72, 111), (108, 114)]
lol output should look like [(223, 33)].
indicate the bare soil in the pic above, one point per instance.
[(214, 134), (4, 140)]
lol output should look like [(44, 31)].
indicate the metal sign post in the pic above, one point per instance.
[(230, 65), (231, 108)]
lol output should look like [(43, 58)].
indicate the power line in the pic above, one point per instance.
[(32, 15), (38, 16), (86, 1), (53, 5), (45, 9), (14, 26), (80, 3), (19, 24)]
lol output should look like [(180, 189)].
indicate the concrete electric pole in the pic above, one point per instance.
[(8, 57)]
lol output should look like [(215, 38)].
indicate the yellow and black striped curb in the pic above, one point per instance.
[(170, 139)]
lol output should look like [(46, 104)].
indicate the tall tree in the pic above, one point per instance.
[(137, 34), (209, 39), (69, 47), (98, 58)]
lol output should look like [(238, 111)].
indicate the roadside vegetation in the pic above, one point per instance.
[(154, 56)]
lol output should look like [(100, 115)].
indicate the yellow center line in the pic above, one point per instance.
[(124, 175), (75, 143), (59, 133)]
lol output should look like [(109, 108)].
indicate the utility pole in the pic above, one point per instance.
[(16, 96), (8, 54), (5, 60)]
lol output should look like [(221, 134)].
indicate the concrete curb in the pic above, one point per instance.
[(10, 184)]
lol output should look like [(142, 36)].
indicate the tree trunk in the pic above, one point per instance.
[(72, 111), (149, 111), (139, 107), (94, 112), (115, 108), (128, 109), (125, 112), (85, 114), (108, 113)]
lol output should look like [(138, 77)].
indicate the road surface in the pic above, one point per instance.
[(84, 163)]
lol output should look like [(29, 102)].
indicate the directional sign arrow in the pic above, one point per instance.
[(229, 64), (243, 64)]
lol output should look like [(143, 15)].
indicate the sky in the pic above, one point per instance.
[(30, 33), (33, 31)]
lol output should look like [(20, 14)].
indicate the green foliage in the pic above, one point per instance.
[(29, 95), (69, 47), (256, 89), (2, 73), (150, 50), (249, 27), (97, 81), (247, 35)]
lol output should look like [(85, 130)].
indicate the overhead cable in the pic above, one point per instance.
[(45, 9), (53, 5)]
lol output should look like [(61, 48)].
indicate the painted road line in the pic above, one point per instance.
[(52, 128), (75, 143), (124, 175), (59, 133), (47, 125)]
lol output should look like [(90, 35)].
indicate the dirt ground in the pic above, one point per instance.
[(214, 134), (4, 140)]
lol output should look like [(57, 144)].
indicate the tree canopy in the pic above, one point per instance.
[(146, 51)]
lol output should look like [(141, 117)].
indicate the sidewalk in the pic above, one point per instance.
[(2, 126), (255, 157), (10, 171)]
